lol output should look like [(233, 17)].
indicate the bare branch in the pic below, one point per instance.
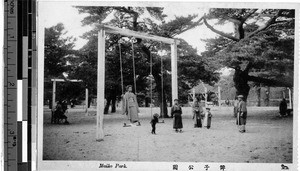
[(269, 82), (219, 32), (271, 21), (197, 23)]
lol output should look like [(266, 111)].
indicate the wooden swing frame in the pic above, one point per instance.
[(55, 80), (104, 29)]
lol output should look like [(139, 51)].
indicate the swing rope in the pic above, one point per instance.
[(151, 76), (162, 83), (121, 68), (151, 82), (133, 64)]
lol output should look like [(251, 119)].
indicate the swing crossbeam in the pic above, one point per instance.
[(54, 80), (130, 33)]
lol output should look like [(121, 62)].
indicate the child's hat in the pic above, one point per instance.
[(156, 115)]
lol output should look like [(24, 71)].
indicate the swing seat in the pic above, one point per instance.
[(125, 125), (162, 121)]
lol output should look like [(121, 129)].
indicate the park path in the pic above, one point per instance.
[(268, 138)]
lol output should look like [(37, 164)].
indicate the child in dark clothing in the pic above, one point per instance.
[(177, 112), (153, 122)]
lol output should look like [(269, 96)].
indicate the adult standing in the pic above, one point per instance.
[(283, 107), (242, 114), (177, 112), (197, 113), (131, 108)]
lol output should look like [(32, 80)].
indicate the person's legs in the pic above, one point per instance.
[(180, 124), (152, 131), (200, 122), (243, 128)]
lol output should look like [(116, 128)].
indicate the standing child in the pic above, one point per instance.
[(153, 122), (207, 118), (197, 112), (242, 114), (177, 112)]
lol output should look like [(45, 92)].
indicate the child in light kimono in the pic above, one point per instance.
[(207, 118), (130, 106)]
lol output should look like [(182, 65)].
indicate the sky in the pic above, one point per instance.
[(53, 12), (56, 12)]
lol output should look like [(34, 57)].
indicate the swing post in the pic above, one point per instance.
[(100, 85), (86, 101), (53, 94), (174, 71)]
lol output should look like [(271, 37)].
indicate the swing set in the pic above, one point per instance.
[(134, 74), (101, 68)]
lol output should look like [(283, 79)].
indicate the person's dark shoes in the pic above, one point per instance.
[(180, 131), (138, 124), (176, 130), (66, 122), (195, 126)]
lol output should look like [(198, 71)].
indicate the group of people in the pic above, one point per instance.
[(200, 117), (59, 112)]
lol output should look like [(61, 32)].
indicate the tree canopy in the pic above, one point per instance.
[(260, 49), (59, 54), (58, 49)]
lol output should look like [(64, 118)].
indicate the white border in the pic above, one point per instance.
[(93, 165)]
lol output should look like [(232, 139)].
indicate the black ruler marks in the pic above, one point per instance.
[(19, 50)]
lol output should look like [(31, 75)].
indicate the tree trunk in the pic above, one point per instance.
[(163, 105), (258, 95), (161, 96), (107, 105), (267, 100), (113, 104), (146, 102), (89, 102), (240, 79)]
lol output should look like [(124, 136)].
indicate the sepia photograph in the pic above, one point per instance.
[(167, 82)]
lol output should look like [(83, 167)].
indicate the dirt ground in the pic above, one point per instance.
[(269, 138)]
